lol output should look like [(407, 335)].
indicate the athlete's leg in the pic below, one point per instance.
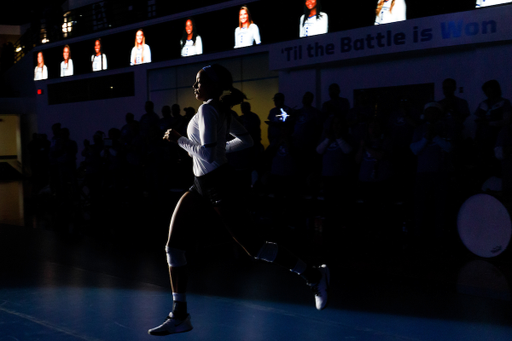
[(185, 222), (242, 228)]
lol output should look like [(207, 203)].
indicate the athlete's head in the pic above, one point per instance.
[(244, 17), (189, 32), (97, 47), (66, 53), (311, 8), (380, 4), (40, 59), (189, 27), (212, 81), (140, 39)]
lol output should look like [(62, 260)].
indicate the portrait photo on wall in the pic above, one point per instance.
[(247, 33), (98, 59), (191, 42), (40, 71), (487, 3), (314, 21), (141, 53), (389, 11), (66, 66)]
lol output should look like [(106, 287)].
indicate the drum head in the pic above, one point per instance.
[(484, 225)]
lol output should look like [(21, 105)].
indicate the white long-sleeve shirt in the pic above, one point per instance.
[(66, 69), (137, 55), (191, 49), (40, 73), (99, 62), (485, 3), (247, 36), (314, 25), (388, 15), (206, 141)]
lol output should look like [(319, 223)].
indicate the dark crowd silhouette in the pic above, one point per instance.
[(387, 167)]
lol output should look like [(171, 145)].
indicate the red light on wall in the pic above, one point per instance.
[(39, 91)]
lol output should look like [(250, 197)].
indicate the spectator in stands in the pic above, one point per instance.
[(280, 113), (336, 105), (166, 122), (503, 152), (306, 134), (149, 121), (490, 118), (375, 171), (432, 148), (456, 110), (338, 171), (402, 122)]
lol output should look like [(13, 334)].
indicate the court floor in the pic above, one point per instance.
[(55, 287)]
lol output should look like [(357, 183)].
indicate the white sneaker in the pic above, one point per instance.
[(321, 289), (172, 326)]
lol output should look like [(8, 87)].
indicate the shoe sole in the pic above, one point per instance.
[(165, 333), (168, 333)]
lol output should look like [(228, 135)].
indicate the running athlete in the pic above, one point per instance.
[(214, 191)]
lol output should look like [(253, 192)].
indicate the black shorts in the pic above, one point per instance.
[(218, 186)]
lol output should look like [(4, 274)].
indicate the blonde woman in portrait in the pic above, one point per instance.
[(41, 71), (247, 33), (141, 53), (66, 67)]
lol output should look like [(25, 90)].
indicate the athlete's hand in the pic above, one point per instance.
[(172, 135)]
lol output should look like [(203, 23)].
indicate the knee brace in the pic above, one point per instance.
[(268, 252), (175, 257)]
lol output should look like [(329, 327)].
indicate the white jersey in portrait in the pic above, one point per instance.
[(191, 49), (66, 69), (40, 73), (317, 24), (391, 11), (486, 3), (247, 36), (99, 62)]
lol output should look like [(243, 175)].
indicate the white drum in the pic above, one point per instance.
[(484, 225)]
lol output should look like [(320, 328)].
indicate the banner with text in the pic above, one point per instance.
[(463, 28)]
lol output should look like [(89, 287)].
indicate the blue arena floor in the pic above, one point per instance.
[(54, 287)]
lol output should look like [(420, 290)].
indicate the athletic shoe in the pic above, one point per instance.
[(172, 326), (321, 289)]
